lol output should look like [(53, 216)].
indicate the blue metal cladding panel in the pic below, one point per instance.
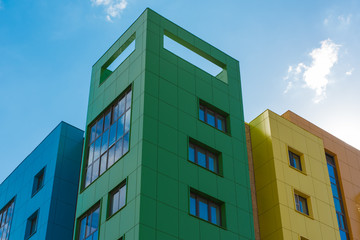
[(60, 154)]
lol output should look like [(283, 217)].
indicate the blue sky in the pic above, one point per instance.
[(297, 55)]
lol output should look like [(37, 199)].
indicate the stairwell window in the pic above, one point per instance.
[(109, 138), (213, 117)]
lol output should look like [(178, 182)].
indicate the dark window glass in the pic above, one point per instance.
[(117, 198), (301, 204), (212, 117), (31, 224), (38, 181), (205, 209), (295, 160), (203, 157), (109, 137), (339, 207), (6, 216), (89, 224)]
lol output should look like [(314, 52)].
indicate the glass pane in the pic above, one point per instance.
[(112, 137), (201, 158), (118, 149), (93, 133), (334, 190), (107, 120), (201, 114), (122, 196), (203, 209), (103, 163), (126, 143), (211, 163), (99, 127), (214, 214), (210, 118), (343, 235), (121, 107), (340, 222), (127, 121), (337, 205), (105, 141), (91, 154), (220, 124), (120, 127), (97, 148), (88, 176), (111, 157), (95, 220), (82, 229), (192, 206), (115, 202), (128, 100), (95, 235), (95, 173), (191, 154), (331, 171), (115, 114), (88, 226), (303, 205)]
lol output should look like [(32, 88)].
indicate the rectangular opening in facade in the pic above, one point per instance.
[(119, 57), (195, 56)]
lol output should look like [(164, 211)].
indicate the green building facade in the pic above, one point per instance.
[(165, 150)]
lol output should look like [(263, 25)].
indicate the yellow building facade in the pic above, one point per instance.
[(292, 185)]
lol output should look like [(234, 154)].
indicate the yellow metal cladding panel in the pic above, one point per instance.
[(277, 181)]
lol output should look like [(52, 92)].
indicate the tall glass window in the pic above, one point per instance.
[(109, 138), (6, 215), (89, 224), (339, 206)]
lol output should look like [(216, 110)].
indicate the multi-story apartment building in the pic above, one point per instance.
[(165, 149), (38, 199)]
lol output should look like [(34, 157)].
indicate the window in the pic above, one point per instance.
[(117, 198), (109, 138), (302, 238), (89, 224), (38, 181), (212, 117), (339, 207), (31, 224), (205, 158), (301, 204), (295, 160), (205, 209), (6, 215)]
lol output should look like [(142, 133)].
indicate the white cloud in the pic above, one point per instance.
[(344, 19), (113, 8), (338, 21), (315, 76), (349, 73)]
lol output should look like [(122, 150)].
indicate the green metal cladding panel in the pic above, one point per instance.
[(166, 93)]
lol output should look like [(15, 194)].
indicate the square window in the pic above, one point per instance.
[(117, 198), (295, 160), (204, 157), (38, 181), (205, 208), (213, 116), (31, 224), (301, 204)]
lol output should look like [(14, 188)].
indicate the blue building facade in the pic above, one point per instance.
[(38, 199)]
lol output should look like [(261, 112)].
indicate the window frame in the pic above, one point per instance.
[(209, 202), (88, 218), (199, 147), (217, 113), (93, 165), (117, 189), (292, 152), (298, 196), (330, 160), (36, 186), (31, 227)]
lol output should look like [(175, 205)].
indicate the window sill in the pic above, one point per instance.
[(300, 171), (309, 216), (217, 174)]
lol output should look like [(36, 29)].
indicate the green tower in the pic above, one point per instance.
[(165, 150)]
